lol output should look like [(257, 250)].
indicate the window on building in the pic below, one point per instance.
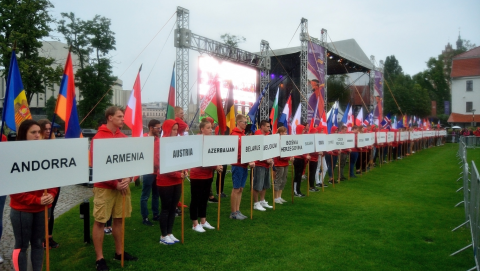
[(469, 107), (469, 85)]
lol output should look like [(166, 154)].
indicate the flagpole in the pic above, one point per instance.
[(273, 188), (5, 98), (169, 91), (219, 197), (293, 187)]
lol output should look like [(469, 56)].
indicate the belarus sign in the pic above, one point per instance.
[(180, 152), (252, 148), (219, 150), (116, 158), (39, 164)]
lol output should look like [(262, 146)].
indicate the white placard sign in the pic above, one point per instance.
[(252, 148), (443, 132), (321, 142), (340, 141), (309, 143), (271, 146), (381, 137), (372, 138), (390, 137), (362, 140), (180, 152), (403, 136), (412, 135), (116, 158), (349, 141), (39, 164), (291, 145), (219, 150), (418, 135)]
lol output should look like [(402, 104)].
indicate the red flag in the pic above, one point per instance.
[(133, 112), (217, 100)]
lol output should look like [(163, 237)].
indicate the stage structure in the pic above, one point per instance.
[(185, 40)]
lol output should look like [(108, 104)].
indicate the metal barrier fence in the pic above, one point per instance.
[(471, 201)]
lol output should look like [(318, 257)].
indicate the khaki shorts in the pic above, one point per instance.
[(108, 202)]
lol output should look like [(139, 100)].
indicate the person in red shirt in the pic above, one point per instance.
[(201, 179), (27, 212), (312, 165), (331, 158), (108, 195), (343, 154), (281, 170), (179, 119), (239, 170), (149, 180), (170, 190), (299, 162), (477, 132), (261, 175)]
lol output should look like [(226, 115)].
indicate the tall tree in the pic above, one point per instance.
[(391, 68), (232, 40), (338, 89), (92, 40), (26, 23)]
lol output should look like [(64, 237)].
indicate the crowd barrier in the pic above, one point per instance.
[(471, 200)]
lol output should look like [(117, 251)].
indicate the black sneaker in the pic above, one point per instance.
[(299, 195), (156, 218), (313, 190), (102, 265), (343, 179), (223, 195), (213, 200), (126, 257), (52, 243), (147, 222)]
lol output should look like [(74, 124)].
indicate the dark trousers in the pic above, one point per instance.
[(331, 167), (362, 161), (169, 196), (312, 169), (298, 166), (199, 191), (224, 173), (28, 228), (353, 161), (51, 219)]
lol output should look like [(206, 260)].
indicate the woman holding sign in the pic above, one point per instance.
[(299, 163), (201, 179), (281, 166), (169, 189), (28, 212)]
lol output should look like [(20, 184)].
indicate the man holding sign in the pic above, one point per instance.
[(261, 176), (239, 170), (108, 196)]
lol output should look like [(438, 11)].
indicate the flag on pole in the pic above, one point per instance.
[(133, 112), (230, 107), (312, 121), (394, 122), (253, 111), (215, 109), (438, 124), (405, 121), (297, 119), (386, 122), (66, 108), (335, 116), (274, 113), (359, 119), (286, 114), (171, 97), (323, 123), (345, 115), (332, 116), (15, 106)]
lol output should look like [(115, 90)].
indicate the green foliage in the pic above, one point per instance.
[(397, 217), (26, 23), (392, 68), (232, 40), (92, 41), (337, 89), (50, 107)]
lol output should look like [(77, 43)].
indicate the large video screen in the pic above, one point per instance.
[(243, 79)]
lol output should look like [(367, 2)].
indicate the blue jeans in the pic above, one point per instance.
[(328, 159), (2, 204), (353, 161), (239, 177), (149, 185)]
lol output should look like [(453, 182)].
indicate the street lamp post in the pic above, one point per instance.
[(473, 118)]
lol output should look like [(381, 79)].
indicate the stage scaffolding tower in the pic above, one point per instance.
[(304, 38), (324, 43), (372, 84), (183, 37), (264, 80)]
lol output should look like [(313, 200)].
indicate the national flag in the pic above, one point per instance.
[(15, 105), (332, 117), (215, 109), (171, 97), (405, 122), (230, 107), (253, 111), (370, 118), (323, 123), (335, 116), (394, 122), (438, 124), (345, 115), (133, 112), (359, 119), (350, 119), (386, 122), (66, 107), (297, 119), (286, 114), (210, 94), (274, 113)]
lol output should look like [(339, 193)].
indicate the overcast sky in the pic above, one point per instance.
[(413, 31)]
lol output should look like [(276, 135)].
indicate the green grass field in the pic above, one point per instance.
[(397, 217)]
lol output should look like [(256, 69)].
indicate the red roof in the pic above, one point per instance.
[(455, 117), (364, 91), (473, 53), (465, 67)]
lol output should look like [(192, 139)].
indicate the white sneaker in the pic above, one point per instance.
[(198, 228), (259, 207), (278, 201), (207, 225), (282, 200), (264, 203), (175, 240), (166, 240)]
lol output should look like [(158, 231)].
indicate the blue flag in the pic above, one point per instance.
[(253, 111)]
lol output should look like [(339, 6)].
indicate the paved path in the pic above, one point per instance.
[(70, 196)]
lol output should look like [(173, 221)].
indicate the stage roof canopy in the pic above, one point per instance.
[(353, 57)]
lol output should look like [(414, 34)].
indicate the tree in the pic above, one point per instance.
[(337, 89), (392, 68), (232, 40), (26, 23), (92, 41)]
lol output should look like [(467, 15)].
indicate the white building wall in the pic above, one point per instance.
[(460, 95)]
